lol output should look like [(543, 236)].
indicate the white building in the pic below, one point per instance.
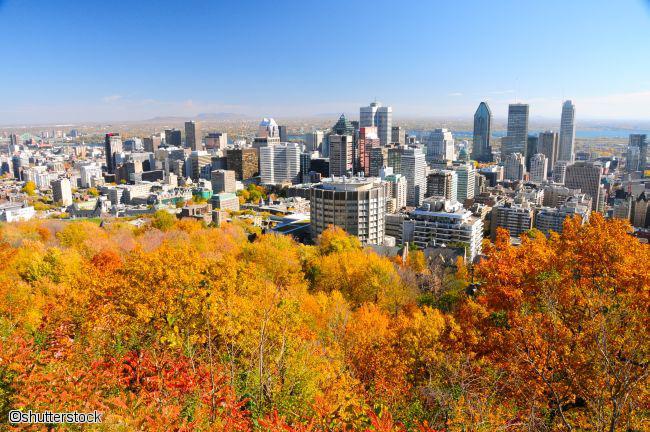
[(567, 132), (88, 173), (515, 166), (62, 191), (438, 223), (466, 181), (380, 117), (414, 166), (441, 146), (538, 168), (15, 212), (396, 191), (280, 163)]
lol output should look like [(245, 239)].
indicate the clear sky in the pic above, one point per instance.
[(70, 61)]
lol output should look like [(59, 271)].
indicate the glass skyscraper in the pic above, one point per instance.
[(481, 148), (516, 140), (567, 132)]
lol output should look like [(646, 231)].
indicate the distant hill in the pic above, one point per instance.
[(201, 117)]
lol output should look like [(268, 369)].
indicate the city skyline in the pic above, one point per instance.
[(70, 68)]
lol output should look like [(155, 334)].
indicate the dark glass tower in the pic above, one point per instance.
[(481, 148)]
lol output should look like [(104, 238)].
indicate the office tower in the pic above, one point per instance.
[(516, 140), (567, 132), (367, 141), (280, 164), (216, 141), (313, 141), (641, 211), (538, 168), (268, 128), (225, 201), (622, 208), (200, 165), (398, 135), (173, 138), (481, 147), (638, 143), (515, 166), (282, 133), (343, 126), (245, 162), (559, 171), (632, 159), (585, 176), (340, 154), (380, 117), (547, 144), (378, 160), (396, 191), (305, 167), (394, 158), (516, 218), (112, 145), (441, 223), (441, 146), (466, 181), (62, 191), (356, 204), (223, 181), (413, 166), (531, 149), (193, 136), (552, 219), (13, 140), (443, 183), (320, 166), (151, 143), (555, 195)]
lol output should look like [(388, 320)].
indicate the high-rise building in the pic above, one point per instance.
[(378, 160), (268, 128), (481, 147), (314, 141), (173, 138), (398, 135), (396, 190), (223, 181), (639, 145), (245, 162), (216, 140), (559, 171), (585, 176), (442, 183), (547, 144), (367, 140), (62, 191), (538, 168), (13, 140), (280, 163), (515, 166), (641, 211), (516, 140), (413, 166), (282, 133), (151, 143), (380, 117), (466, 181), (356, 204), (341, 147), (441, 146), (200, 165), (193, 136), (112, 145), (439, 223), (516, 218), (531, 149), (567, 132)]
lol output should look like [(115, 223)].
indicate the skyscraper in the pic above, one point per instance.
[(567, 132), (282, 131), (441, 146), (515, 166), (112, 145), (413, 167), (245, 162), (516, 140), (173, 138), (538, 168), (340, 154), (192, 136), (398, 135), (481, 148), (442, 183), (585, 176), (466, 181), (280, 163), (640, 141), (313, 141), (368, 140), (379, 116), (547, 144)]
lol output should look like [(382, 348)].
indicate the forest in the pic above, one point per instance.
[(177, 326)]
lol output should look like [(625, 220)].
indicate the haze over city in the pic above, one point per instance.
[(119, 60)]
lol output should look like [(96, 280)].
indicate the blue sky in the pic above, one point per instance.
[(67, 60)]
